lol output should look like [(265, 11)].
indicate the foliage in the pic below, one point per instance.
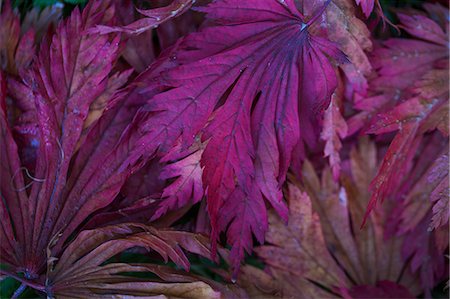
[(138, 143)]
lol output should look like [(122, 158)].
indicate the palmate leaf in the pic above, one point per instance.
[(425, 98), (82, 139), (112, 131), (69, 76), (43, 205), (322, 252), (187, 187), (247, 94), (334, 128), (81, 270), (367, 6), (401, 64), (354, 39), (410, 97), (16, 51), (153, 18)]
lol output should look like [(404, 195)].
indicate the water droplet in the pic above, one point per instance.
[(303, 26), (34, 142), (342, 196)]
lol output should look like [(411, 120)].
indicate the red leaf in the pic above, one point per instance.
[(413, 119), (69, 75), (415, 73), (244, 98)]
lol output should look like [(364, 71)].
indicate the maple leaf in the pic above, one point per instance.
[(425, 242), (48, 202), (81, 270), (137, 200), (80, 148), (413, 118), (16, 51), (427, 253), (354, 39), (429, 188), (41, 19), (322, 252), (249, 101), (189, 21), (334, 128), (366, 6), (153, 18), (139, 50), (170, 19), (84, 268), (383, 289), (412, 105), (187, 186), (401, 63), (410, 96)]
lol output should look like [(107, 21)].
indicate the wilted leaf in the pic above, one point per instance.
[(322, 252), (354, 39)]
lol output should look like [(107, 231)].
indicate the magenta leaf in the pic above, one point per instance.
[(69, 75), (366, 6), (413, 105), (253, 94), (153, 18), (334, 129), (187, 187)]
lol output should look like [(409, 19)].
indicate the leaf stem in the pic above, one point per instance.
[(19, 291), (24, 281)]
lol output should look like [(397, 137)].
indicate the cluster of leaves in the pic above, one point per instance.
[(188, 128)]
